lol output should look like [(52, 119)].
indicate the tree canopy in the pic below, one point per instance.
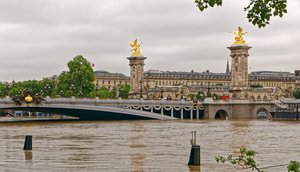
[(296, 93), (78, 80), (259, 12)]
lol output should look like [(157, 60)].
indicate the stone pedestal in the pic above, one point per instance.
[(136, 64), (239, 88)]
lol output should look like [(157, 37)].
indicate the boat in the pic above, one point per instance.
[(290, 110)]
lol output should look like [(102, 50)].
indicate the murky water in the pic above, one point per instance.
[(144, 145)]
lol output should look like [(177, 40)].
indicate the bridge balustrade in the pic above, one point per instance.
[(179, 109)]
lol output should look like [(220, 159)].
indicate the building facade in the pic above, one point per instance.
[(235, 82), (161, 84)]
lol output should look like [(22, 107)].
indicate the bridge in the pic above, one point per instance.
[(121, 109)]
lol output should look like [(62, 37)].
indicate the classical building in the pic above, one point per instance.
[(110, 80), (163, 82), (235, 82)]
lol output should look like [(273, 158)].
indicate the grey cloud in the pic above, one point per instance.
[(38, 38)]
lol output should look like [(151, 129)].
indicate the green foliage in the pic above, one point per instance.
[(123, 91), (256, 86), (48, 87), (105, 93), (203, 4), (63, 86), (244, 161), (216, 96), (259, 12), (34, 86), (296, 94), (294, 166), (78, 81), (200, 96), (16, 89), (192, 96), (4, 89)]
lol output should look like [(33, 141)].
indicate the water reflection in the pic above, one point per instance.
[(136, 146), (194, 168), (28, 154), (239, 135)]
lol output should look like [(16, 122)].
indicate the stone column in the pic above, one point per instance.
[(239, 70), (136, 64)]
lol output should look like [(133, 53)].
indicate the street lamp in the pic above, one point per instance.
[(61, 93), (72, 88), (47, 88), (161, 92), (80, 93)]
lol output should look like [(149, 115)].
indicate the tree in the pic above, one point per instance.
[(245, 160), (105, 93), (48, 87), (294, 166), (259, 12), (296, 93), (123, 91), (4, 89), (78, 81), (34, 86), (16, 89)]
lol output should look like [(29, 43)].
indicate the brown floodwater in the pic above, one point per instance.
[(144, 145)]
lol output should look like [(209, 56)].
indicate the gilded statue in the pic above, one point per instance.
[(135, 48), (239, 36)]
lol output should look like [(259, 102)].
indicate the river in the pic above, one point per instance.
[(144, 145)]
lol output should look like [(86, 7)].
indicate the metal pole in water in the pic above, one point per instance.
[(297, 111), (28, 143), (195, 151)]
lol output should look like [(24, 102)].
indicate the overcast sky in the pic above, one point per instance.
[(39, 37)]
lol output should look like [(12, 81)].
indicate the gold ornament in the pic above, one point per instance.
[(28, 99), (135, 48), (239, 36)]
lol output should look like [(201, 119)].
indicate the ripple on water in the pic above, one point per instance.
[(143, 145)]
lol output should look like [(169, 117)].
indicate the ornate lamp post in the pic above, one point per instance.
[(80, 94), (47, 88), (61, 93)]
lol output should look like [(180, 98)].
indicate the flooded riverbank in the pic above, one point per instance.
[(143, 145)]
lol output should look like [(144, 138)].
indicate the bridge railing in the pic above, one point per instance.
[(116, 101)]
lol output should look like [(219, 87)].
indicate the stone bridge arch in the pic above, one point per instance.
[(262, 111), (221, 114), (212, 110), (89, 112)]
